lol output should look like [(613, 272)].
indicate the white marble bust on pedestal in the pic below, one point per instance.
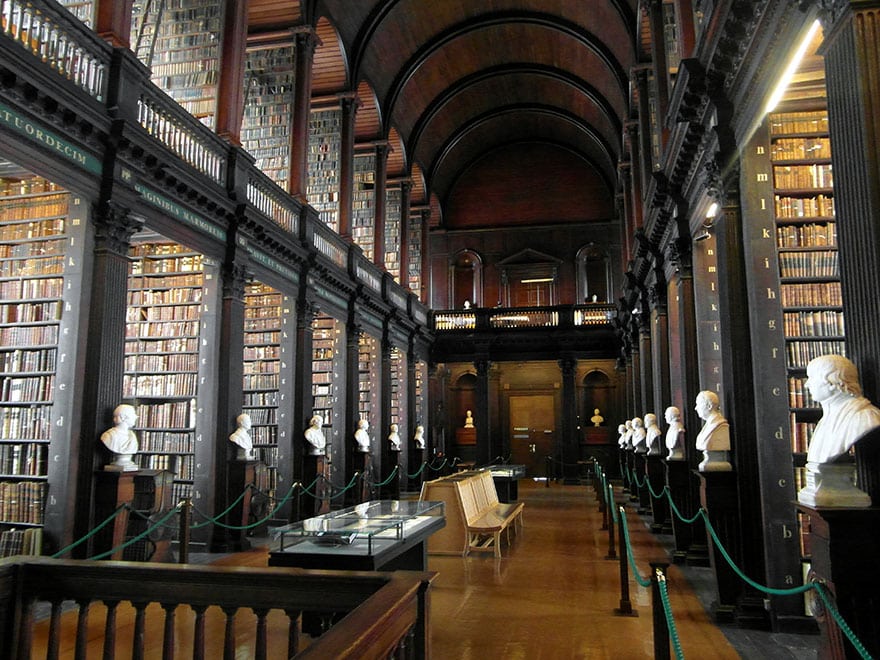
[(361, 437), (317, 443), (394, 438), (419, 437), (241, 438), (621, 436), (121, 440), (639, 436), (846, 416), (714, 438), (627, 437), (652, 433), (674, 434)]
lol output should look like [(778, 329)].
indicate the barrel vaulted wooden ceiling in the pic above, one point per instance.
[(450, 82)]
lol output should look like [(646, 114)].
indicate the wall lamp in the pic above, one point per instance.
[(707, 223)]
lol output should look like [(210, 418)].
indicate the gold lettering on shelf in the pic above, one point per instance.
[(775, 391), (771, 324), (762, 176), (771, 294), (786, 532), (759, 149), (765, 233), (782, 483)]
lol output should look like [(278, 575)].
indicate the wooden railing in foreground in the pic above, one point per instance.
[(376, 615)]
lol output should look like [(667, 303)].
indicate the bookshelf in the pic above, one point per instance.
[(809, 277), (179, 40), (269, 88), (167, 285), (84, 10), (36, 231), (420, 392), (325, 367), (414, 267), (806, 243), (263, 328), (363, 207), (393, 200), (368, 376), (398, 391), (325, 141)]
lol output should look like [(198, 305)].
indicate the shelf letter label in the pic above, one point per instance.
[(771, 294)]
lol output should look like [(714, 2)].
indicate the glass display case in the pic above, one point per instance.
[(379, 534), (506, 478)]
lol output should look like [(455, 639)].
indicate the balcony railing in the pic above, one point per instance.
[(503, 318)]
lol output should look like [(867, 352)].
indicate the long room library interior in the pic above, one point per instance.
[(389, 329)]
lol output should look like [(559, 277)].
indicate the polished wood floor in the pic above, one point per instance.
[(551, 596)]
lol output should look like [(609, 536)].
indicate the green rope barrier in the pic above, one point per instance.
[(678, 513), (344, 489), (418, 472), (97, 529), (629, 553), (442, 465), (216, 521), (268, 516), (670, 619), (793, 591), (635, 479), (850, 635), (137, 538), (656, 496), (388, 480)]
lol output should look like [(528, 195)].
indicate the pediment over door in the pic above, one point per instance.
[(529, 278)]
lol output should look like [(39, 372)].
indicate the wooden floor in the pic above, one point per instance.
[(552, 595)]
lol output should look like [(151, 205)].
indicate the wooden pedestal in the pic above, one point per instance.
[(718, 495), (316, 467), (678, 476), (112, 490), (845, 545), (656, 473)]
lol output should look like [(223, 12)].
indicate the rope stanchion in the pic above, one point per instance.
[(184, 533), (827, 600), (663, 592), (388, 480), (625, 608), (417, 472), (612, 552)]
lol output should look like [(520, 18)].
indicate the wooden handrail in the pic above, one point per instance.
[(382, 611)]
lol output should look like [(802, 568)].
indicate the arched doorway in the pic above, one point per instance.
[(466, 273)]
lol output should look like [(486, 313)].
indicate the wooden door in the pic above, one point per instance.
[(532, 431)]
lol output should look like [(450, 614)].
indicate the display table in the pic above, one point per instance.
[(376, 535), (506, 478)]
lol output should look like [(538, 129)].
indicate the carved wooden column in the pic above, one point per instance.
[(381, 184), (230, 87), (105, 352), (113, 22), (636, 191), (426, 257), (851, 51), (230, 375), (659, 328), (306, 312), (568, 446), (349, 103), (305, 43), (645, 150)]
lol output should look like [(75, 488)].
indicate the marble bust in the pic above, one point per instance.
[(419, 437), (241, 438), (315, 437), (674, 434), (468, 420), (639, 436), (394, 438), (597, 419), (120, 439), (621, 435), (846, 416), (714, 438), (361, 437), (627, 436), (652, 433)]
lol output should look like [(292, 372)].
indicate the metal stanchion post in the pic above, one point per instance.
[(185, 522), (661, 631), (625, 608), (612, 552)]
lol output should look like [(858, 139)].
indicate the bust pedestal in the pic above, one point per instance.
[(113, 488), (831, 485), (316, 466), (718, 495), (641, 472), (845, 545), (678, 481), (656, 473), (391, 490)]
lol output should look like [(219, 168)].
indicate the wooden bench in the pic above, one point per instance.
[(486, 517), (475, 519)]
